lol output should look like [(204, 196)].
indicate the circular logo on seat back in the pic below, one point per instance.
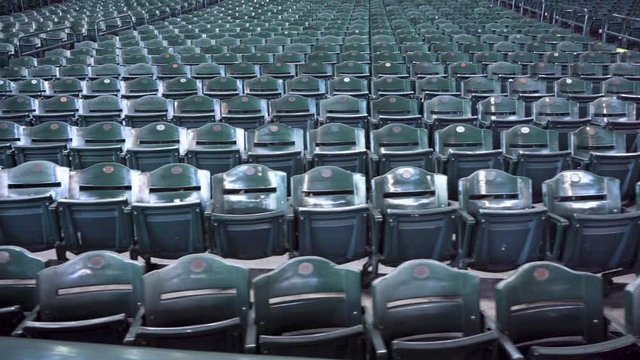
[(197, 265), (96, 262), (541, 274), (421, 271), (176, 170), (305, 268), (108, 169), (5, 257)]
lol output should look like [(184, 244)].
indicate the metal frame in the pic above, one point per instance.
[(622, 35), (30, 35), (573, 10), (102, 20)]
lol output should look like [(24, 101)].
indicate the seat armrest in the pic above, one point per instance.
[(466, 217), (134, 329), (32, 316), (554, 243), (251, 336), (584, 350), (209, 209), (505, 343), (373, 335)]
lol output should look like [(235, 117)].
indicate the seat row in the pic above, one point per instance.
[(245, 213), (308, 305)]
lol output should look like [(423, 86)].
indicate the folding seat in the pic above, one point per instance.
[(194, 59), (58, 108), (533, 153), (444, 110), (573, 299), (625, 70), (461, 149), (64, 86), (390, 85), (206, 71), (99, 194), (356, 56), (290, 57), (27, 192), (6, 88), (258, 58), (52, 60), (431, 86), (17, 108), (76, 71), (145, 110), (244, 111), (18, 272), (154, 145), (13, 73), (316, 69), (578, 90), (44, 72), (618, 115), (499, 113), (619, 86), (197, 282), (322, 57), (222, 87), (403, 324), (306, 86), (277, 146), (354, 69), (528, 90), (507, 47), (477, 89), (278, 70), (325, 319), (604, 152), (139, 70), (396, 145), (387, 56), (444, 47), (171, 71), (111, 284), (393, 109), (344, 109), (504, 71), (212, 49), (113, 71), (547, 73), (348, 85), (338, 145), (390, 69), (98, 109), (216, 147), (630, 56), (245, 231), (23, 61), (47, 141), (264, 87), (179, 88), (168, 213), (31, 87), (558, 114), (489, 200), (242, 70), (195, 111), (133, 59), (294, 110)]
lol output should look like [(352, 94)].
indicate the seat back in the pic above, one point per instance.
[(462, 137), (426, 289), (407, 188), (526, 300), (18, 271), (92, 285), (328, 187), (606, 109), (103, 181), (528, 139), (595, 139), (175, 183), (493, 189), (581, 192), (249, 189), (316, 295), (34, 179), (500, 108), (196, 289), (554, 109)]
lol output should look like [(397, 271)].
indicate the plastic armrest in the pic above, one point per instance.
[(76, 325), (466, 217), (379, 348), (32, 316), (134, 329), (583, 350), (313, 338), (251, 336), (505, 343), (485, 337), (181, 331)]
